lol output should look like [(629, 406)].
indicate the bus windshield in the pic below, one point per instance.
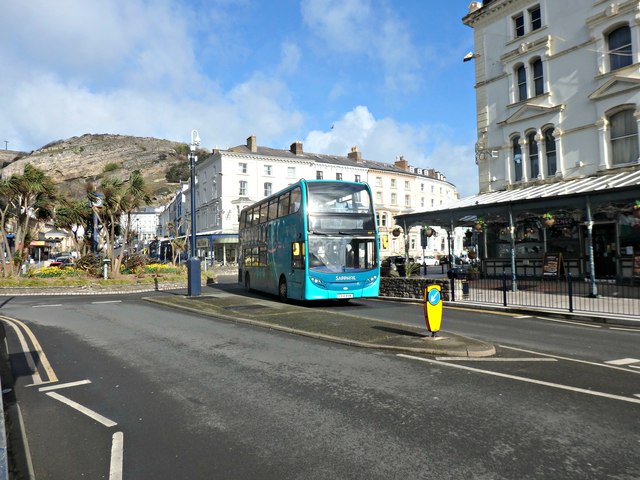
[(341, 253)]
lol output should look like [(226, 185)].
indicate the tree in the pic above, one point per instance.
[(116, 198), (72, 216), (28, 199)]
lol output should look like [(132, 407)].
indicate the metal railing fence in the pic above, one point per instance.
[(564, 294)]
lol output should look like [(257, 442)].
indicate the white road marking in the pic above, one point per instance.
[(493, 359), (117, 456), (108, 301), (524, 379), (64, 385), (623, 361), (523, 316), (625, 329), (82, 409), (44, 361), (47, 306), (570, 322), (35, 374), (568, 359)]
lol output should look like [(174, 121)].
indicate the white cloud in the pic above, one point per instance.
[(290, 56), (385, 139), (355, 27)]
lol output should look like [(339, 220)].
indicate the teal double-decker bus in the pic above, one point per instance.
[(314, 240)]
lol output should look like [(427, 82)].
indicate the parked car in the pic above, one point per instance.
[(62, 261), (428, 259), (395, 263), (456, 260)]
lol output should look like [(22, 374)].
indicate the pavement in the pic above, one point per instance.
[(324, 324)]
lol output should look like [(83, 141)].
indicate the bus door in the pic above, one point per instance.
[(297, 276)]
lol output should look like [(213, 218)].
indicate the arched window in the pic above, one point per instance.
[(533, 155), (624, 137), (550, 151), (538, 77), (517, 159), (620, 51), (521, 82)]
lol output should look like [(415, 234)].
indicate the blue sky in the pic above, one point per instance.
[(385, 75)]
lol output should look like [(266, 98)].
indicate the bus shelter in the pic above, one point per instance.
[(576, 226)]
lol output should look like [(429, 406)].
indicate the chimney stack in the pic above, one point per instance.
[(296, 148), (402, 163), (355, 154), (251, 144)]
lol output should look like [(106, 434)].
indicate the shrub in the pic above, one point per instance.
[(134, 262), (91, 264), (110, 167)]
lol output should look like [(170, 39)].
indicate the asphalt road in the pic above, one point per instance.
[(177, 395)]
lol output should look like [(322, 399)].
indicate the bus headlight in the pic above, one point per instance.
[(371, 280), (316, 281)]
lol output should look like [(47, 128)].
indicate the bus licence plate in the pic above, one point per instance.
[(345, 295)]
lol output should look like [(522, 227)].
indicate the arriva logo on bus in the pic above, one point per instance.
[(346, 277)]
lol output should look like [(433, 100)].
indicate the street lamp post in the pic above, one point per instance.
[(193, 264)]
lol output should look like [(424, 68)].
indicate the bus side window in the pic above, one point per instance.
[(283, 205), (273, 209), (296, 197)]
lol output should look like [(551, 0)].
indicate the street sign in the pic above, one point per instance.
[(433, 308)]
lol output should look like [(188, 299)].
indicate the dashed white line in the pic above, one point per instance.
[(64, 385), (82, 409), (47, 306), (623, 361), (494, 359), (107, 301), (117, 456), (524, 379), (570, 322), (625, 329)]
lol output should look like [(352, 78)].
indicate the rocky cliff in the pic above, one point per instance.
[(72, 162)]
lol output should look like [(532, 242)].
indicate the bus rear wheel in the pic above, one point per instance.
[(282, 290), (247, 283)]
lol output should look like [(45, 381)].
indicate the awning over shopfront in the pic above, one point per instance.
[(602, 193)]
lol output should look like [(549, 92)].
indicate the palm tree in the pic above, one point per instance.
[(71, 215), (135, 195), (31, 198)]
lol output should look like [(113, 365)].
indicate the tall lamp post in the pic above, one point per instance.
[(193, 264)]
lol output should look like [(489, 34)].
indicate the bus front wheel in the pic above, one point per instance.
[(282, 290), (247, 283)]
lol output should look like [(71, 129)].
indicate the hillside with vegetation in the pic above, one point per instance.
[(73, 162)]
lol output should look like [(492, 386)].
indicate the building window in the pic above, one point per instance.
[(242, 168), (393, 183), (338, 176), (407, 200), (379, 198), (319, 174), (378, 181), (550, 151), (384, 219), (267, 170), (394, 199), (268, 187), (243, 188), (538, 77), (406, 185), (357, 178), (521, 81), (533, 155), (620, 52), (517, 159), (291, 172), (624, 137), (422, 187), (518, 25), (421, 202), (535, 17)]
